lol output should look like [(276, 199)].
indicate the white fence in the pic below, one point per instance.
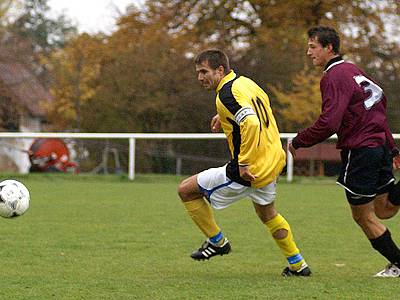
[(132, 137)]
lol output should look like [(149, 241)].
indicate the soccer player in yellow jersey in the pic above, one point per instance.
[(257, 159)]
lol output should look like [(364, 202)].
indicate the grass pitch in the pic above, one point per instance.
[(103, 237)]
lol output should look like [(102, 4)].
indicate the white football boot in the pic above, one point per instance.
[(391, 270)]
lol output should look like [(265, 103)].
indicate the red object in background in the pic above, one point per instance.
[(50, 155)]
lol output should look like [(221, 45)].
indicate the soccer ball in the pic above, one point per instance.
[(14, 198)]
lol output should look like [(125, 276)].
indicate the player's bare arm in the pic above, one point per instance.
[(396, 162)]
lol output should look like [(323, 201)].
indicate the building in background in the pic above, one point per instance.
[(21, 109)]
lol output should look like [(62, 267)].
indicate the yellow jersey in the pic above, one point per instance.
[(251, 130)]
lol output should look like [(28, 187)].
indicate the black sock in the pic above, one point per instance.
[(394, 194), (385, 246)]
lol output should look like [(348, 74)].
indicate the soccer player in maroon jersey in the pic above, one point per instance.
[(354, 107)]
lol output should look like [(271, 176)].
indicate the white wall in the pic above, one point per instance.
[(15, 149)]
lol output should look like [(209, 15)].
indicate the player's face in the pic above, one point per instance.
[(209, 77), (320, 55)]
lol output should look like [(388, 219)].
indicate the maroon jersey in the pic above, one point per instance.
[(353, 107)]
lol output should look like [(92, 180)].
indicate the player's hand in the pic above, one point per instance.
[(396, 162), (245, 173), (216, 124), (292, 150)]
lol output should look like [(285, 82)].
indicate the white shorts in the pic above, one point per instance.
[(222, 191)]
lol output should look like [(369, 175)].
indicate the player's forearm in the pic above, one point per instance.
[(312, 136)]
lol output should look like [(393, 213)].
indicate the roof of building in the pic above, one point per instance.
[(24, 86)]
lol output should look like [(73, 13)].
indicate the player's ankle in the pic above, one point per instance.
[(298, 266), (217, 240)]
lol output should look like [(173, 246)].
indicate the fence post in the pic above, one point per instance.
[(289, 159), (179, 166), (132, 145)]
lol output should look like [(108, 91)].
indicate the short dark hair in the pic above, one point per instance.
[(326, 35), (215, 58)]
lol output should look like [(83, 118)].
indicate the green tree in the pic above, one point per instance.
[(36, 35), (44, 32)]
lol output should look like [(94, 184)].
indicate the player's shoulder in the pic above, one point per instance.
[(341, 68), (241, 85), (245, 85), (226, 90), (341, 71), (243, 81), (238, 83)]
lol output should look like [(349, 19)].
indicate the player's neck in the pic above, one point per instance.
[(333, 59)]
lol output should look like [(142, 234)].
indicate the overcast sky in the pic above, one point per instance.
[(91, 15)]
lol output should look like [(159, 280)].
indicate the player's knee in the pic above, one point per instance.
[(382, 214), (265, 212), (385, 209), (280, 234), (182, 191), (186, 191)]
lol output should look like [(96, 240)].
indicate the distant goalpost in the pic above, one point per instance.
[(132, 137)]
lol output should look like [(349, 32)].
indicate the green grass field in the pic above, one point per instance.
[(103, 237)]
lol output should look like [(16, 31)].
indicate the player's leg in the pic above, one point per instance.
[(379, 236), (384, 207), (387, 201), (365, 174), (364, 216), (213, 185), (263, 201), (200, 210)]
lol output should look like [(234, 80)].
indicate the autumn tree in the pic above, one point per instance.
[(143, 64), (141, 77), (74, 69), (267, 39), (145, 78), (368, 39)]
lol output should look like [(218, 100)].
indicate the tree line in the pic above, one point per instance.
[(140, 78)]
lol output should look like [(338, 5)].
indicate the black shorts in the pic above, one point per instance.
[(365, 173)]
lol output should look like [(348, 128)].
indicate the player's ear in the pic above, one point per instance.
[(330, 48), (221, 70)]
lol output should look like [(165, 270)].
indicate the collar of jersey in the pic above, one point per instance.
[(333, 62), (228, 77)]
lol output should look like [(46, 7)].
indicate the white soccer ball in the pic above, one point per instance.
[(14, 198)]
